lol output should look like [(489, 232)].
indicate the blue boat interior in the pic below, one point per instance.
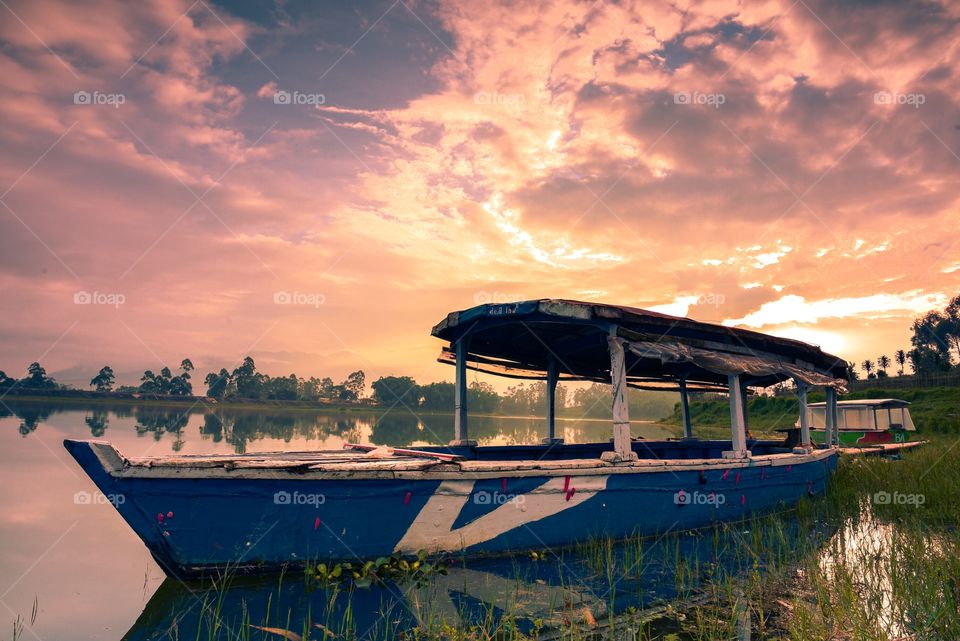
[(649, 450)]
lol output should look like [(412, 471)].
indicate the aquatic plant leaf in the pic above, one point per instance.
[(286, 634)]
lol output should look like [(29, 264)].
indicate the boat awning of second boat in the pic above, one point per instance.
[(564, 340)]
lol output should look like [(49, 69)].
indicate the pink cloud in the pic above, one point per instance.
[(551, 157)]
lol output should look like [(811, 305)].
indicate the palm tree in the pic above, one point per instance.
[(901, 357), (883, 362), (868, 367)]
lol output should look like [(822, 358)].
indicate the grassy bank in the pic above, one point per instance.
[(933, 410)]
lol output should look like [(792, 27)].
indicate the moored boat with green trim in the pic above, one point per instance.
[(865, 422)]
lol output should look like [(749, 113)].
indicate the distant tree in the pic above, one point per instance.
[(852, 372), (217, 383), (901, 358), (593, 400), (103, 381), (883, 362), (867, 366), (355, 383), (936, 339), (283, 388), (561, 396), (437, 396), (326, 388), (952, 321), (180, 384), (396, 390), (37, 378), (5, 381), (247, 380), (924, 360), (311, 389), (150, 383), (341, 393), (482, 398)]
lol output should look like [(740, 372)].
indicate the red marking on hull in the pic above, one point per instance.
[(316, 524), (875, 437), (406, 499)]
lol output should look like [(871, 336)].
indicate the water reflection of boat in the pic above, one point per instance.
[(261, 511), (580, 589)]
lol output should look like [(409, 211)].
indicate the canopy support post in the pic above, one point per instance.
[(622, 441), (744, 397), (833, 428), (685, 408), (552, 377), (738, 424), (460, 398), (804, 421)]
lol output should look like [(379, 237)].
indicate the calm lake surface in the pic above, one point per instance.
[(90, 575)]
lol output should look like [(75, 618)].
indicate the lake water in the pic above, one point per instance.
[(91, 577)]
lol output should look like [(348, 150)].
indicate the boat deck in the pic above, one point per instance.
[(882, 448), (448, 463)]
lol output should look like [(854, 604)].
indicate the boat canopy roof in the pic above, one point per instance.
[(876, 403), (519, 340)]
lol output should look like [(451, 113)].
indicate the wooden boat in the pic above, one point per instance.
[(261, 512)]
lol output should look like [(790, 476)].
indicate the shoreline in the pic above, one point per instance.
[(202, 404)]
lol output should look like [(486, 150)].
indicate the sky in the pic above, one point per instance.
[(318, 184)]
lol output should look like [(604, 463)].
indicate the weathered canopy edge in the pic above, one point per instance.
[(727, 363), (488, 366), (496, 332)]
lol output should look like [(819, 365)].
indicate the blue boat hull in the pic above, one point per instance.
[(196, 525)]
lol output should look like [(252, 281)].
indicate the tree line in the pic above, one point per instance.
[(935, 342), (524, 399), (246, 382), (243, 382)]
